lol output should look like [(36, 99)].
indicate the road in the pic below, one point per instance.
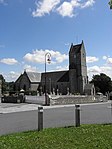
[(96, 113), (23, 117)]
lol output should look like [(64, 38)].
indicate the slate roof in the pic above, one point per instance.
[(65, 77), (34, 76), (54, 76)]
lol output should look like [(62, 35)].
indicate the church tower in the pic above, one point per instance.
[(77, 68)]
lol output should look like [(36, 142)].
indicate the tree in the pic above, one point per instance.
[(3, 86), (102, 83), (110, 3), (6, 86)]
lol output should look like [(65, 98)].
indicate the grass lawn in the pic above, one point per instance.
[(83, 137)]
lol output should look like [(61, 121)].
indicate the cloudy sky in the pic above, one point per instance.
[(30, 28)]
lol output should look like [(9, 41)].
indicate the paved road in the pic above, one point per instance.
[(96, 113), (22, 117), (59, 116), (90, 114)]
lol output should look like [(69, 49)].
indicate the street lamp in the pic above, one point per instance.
[(47, 60)]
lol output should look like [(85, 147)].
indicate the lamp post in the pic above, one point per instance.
[(47, 59)]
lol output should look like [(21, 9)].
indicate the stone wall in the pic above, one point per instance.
[(71, 99)]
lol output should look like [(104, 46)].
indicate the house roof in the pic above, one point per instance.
[(65, 77), (54, 76), (34, 76)]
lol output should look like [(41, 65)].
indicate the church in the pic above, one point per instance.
[(72, 81)]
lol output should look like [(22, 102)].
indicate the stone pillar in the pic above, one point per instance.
[(40, 118), (77, 115)]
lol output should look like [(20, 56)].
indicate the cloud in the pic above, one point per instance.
[(9, 61), (75, 3), (44, 7), (88, 3), (94, 69), (65, 8), (60, 68), (108, 60), (105, 68), (30, 68), (11, 76), (99, 69), (38, 56), (91, 59), (105, 57)]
